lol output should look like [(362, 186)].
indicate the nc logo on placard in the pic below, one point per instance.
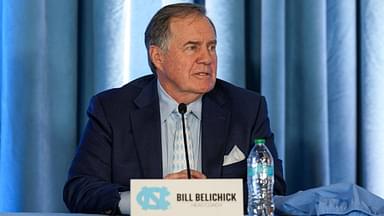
[(153, 198)]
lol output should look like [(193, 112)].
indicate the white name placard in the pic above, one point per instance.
[(187, 197)]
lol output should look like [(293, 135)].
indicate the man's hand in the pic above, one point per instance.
[(184, 175)]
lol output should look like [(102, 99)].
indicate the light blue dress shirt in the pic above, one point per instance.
[(168, 129)]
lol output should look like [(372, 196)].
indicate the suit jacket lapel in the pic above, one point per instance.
[(215, 126), (147, 131)]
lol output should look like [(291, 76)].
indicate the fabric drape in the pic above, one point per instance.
[(38, 102), (321, 69), (371, 79)]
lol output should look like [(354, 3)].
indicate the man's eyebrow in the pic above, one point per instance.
[(198, 42), (212, 42), (192, 43)]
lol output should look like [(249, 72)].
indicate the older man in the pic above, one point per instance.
[(132, 130)]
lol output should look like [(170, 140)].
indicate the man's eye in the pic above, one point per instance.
[(212, 48), (191, 48)]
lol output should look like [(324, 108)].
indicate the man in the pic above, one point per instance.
[(131, 130)]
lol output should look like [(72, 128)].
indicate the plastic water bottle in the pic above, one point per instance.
[(260, 180)]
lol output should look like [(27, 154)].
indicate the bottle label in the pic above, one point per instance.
[(260, 169)]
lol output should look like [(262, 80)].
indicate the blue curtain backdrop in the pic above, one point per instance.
[(38, 102), (322, 72), (319, 63)]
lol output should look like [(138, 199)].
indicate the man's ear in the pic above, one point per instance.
[(157, 57)]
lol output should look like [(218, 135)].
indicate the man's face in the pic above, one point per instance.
[(187, 69)]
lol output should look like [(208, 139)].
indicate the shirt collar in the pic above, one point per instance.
[(195, 108), (168, 104)]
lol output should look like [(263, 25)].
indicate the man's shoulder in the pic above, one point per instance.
[(243, 103), (132, 88), (233, 91)]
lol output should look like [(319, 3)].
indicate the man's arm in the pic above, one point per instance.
[(89, 188)]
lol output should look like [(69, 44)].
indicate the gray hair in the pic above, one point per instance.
[(158, 30)]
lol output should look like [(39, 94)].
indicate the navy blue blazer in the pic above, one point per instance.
[(122, 141)]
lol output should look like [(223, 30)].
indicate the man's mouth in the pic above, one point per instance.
[(202, 74)]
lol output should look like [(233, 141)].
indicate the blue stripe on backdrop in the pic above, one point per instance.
[(372, 89), (140, 18), (202, 2), (1, 61), (306, 94), (273, 67), (252, 42), (342, 90), (102, 49), (229, 23)]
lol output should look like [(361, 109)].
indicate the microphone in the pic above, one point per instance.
[(182, 110)]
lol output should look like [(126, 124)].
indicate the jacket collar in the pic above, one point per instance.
[(147, 131), (215, 128)]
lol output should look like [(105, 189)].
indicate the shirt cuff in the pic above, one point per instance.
[(125, 202)]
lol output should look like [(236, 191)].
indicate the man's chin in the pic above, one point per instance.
[(206, 90)]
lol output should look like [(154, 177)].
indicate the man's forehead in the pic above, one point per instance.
[(187, 22)]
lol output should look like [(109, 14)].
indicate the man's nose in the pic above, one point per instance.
[(206, 56)]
